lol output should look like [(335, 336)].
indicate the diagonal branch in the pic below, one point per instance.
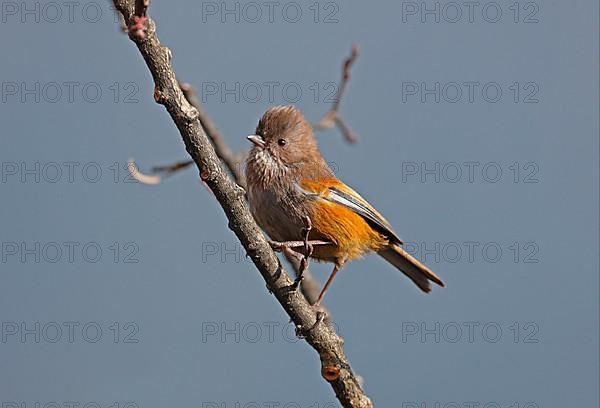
[(335, 367)]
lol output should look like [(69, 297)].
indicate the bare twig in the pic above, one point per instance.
[(159, 173), (335, 367), (333, 117), (139, 176), (232, 161), (172, 168)]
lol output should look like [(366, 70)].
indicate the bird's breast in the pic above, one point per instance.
[(279, 211)]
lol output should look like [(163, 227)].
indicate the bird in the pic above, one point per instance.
[(298, 201)]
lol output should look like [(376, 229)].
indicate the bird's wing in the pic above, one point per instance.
[(337, 192)]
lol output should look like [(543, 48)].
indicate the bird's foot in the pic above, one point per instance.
[(294, 286)]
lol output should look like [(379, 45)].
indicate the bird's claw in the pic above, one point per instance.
[(297, 282)]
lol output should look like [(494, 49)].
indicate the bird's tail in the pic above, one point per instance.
[(410, 266)]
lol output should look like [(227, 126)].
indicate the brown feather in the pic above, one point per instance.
[(411, 267)]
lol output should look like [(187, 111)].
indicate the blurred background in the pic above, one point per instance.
[(478, 127)]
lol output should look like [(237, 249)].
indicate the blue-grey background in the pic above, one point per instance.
[(185, 319)]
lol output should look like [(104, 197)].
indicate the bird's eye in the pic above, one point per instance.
[(282, 142)]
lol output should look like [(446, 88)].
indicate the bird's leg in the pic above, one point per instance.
[(336, 269), (308, 250), (286, 247)]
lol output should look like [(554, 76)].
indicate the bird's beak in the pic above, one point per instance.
[(257, 140)]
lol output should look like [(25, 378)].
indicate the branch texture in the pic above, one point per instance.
[(335, 367)]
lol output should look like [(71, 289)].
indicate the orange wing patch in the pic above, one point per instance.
[(350, 232)]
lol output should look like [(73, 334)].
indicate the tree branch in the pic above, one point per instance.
[(333, 117), (335, 367)]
